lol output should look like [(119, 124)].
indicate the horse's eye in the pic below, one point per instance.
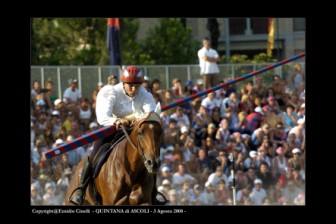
[(140, 133)]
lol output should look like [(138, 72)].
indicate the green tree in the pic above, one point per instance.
[(171, 43), (131, 49), (64, 41)]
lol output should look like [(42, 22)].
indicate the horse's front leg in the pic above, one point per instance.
[(136, 195), (140, 195)]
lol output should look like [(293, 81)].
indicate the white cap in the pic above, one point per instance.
[(100, 84), (172, 192), (184, 129), (165, 169), (303, 105), (55, 113), (296, 150), (69, 138), (165, 182), (253, 154), (161, 189), (207, 184), (49, 185), (93, 125), (259, 110), (257, 181), (301, 121), (57, 101), (59, 141), (199, 81)]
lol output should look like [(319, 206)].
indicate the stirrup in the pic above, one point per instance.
[(157, 202), (83, 196)]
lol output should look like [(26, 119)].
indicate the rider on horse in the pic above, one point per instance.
[(117, 105)]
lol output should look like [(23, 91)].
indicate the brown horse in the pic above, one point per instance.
[(127, 176)]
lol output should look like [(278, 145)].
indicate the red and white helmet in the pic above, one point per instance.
[(132, 74)]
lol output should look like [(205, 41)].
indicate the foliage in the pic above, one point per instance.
[(82, 41), (239, 58), (243, 58), (132, 51), (262, 58), (171, 43), (64, 41)]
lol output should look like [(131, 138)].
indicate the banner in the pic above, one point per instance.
[(270, 43), (113, 47)]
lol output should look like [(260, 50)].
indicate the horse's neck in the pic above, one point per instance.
[(133, 156)]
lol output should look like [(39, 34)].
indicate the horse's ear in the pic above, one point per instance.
[(158, 109)]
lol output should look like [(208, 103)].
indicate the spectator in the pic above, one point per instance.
[(35, 92), (189, 149), (186, 194), (207, 197), (289, 118), (296, 162), (181, 118), (181, 176), (208, 59), (258, 135), (222, 193), (299, 131), (112, 80), (279, 163), (100, 85), (173, 198), (291, 192), (35, 197), (193, 167), (177, 88), (259, 89), (215, 177), (243, 194), (258, 193), (297, 76), (85, 114), (210, 102), (223, 134), (49, 198), (171, 135), (265, 176), (72, 95), (59, 106), (145, 84)]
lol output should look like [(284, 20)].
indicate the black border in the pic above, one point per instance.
[(315, 81)]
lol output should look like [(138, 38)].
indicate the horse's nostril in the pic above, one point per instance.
[(149, 162)]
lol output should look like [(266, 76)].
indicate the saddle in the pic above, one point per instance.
[(103, 154), (100, 158)]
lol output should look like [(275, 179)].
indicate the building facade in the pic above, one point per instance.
[(246, 35)]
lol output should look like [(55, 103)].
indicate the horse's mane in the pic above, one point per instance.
[(151, 116)]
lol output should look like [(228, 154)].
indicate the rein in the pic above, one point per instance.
[(134, 147)]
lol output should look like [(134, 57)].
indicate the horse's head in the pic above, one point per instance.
[(148, 132)]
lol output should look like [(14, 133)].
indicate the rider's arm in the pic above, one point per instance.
[(106, 99)]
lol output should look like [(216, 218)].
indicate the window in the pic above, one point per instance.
[(259, 25), (299, 24), (237, 26)]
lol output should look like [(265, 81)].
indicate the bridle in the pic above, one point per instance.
[(138, 149)]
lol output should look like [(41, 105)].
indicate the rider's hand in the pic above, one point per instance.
[(122, 121)]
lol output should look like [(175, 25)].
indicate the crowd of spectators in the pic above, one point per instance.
[(262, 127)]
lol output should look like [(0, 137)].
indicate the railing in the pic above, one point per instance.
[(89, 76)]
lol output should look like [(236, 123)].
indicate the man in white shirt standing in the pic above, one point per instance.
[(208, 59)]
